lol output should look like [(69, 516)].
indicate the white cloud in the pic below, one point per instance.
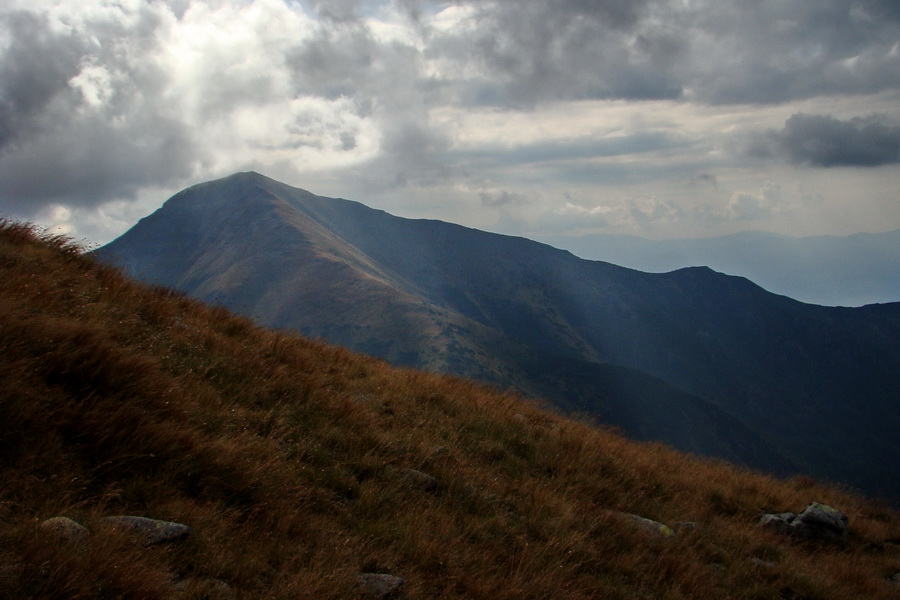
[(756, 205), (94, 82)]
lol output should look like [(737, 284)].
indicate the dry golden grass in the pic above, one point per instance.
[(285, 456)]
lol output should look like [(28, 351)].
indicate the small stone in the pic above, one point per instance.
[(380, 586), (420, 480), (820, 522), (209, 588), (762, 564), (777, 522), (787, 516), (684, 526), (151, 531), (650, 525), (65, 529), (895, 578), (817, 522)]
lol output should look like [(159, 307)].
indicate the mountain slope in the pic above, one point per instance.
[(814, 387), (299, 467), (341, 271)]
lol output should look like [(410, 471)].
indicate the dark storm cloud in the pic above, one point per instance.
[(412, 153), (87, 163), (35, 70), (707, 179), (616, 13), (771, 51), (534, 51), (501, 199), (83, 145), (719, 52), (338, 61), (880, 10), (576, 150), (336, 10), (823, 141), (385, 82)]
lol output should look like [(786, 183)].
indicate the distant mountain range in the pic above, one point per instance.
[(832, 270), (709, 363)]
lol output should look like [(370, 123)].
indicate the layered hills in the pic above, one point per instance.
[(703, 361), (851, 270), (293, 469)]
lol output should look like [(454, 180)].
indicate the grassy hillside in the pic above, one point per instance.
[(290, 460)]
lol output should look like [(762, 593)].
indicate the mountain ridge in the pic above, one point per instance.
[(453, 299), (852, 270)]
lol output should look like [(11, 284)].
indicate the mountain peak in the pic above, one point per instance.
[(247, 176), (695, 345), (228, 193)]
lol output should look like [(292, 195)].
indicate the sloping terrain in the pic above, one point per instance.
[(300, 467), (789, 387)]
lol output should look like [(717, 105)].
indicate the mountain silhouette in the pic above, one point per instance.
[(848, 270), (706, 362)]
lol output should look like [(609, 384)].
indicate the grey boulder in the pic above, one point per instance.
[(380, 586), (817, 522), (151, 531), (65, 530)]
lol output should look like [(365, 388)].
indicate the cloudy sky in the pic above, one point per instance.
[(662, 118)]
